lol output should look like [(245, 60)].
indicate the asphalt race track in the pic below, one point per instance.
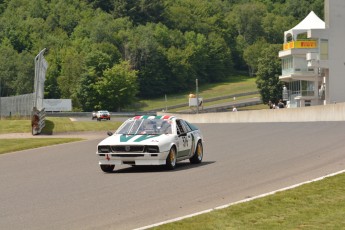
[(62, 187)]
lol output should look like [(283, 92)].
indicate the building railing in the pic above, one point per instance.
[(303, 93), (297, 71)]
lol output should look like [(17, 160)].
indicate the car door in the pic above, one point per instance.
[(184, 139)]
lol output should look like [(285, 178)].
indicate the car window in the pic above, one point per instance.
[(191, 126), (185, 126), (145, 127), (179, 126)]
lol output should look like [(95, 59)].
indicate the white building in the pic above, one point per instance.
[(313, 58)]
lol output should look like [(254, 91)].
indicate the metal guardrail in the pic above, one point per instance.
[(89, 114), (224, 108), (206, 100)]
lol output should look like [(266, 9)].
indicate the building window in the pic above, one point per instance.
[(301, 88), (287, 64), (324, 49)]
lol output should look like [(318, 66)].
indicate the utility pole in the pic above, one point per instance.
[(0, 100), (166, 106), (197, 96)]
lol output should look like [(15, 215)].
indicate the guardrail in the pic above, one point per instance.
[(205, 100), (89, 114)]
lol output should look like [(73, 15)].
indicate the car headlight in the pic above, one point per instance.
[(104, 149), (152, 149)]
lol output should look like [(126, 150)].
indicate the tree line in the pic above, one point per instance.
[(107, 53)]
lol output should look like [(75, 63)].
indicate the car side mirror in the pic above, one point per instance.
[(109, 133), (182, 135)]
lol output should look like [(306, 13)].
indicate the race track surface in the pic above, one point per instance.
[(62, 187)]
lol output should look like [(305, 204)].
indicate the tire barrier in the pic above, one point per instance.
[(38, 119)]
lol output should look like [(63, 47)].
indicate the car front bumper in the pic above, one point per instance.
[(132, 159)]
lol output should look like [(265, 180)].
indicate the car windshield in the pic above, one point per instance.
[(145, 127)]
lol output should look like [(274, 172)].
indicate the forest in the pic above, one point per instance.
[(108, 53)]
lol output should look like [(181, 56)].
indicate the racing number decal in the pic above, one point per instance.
[(193, 143), (185, 141)]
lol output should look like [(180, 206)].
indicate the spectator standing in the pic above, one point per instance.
[(281, 104)]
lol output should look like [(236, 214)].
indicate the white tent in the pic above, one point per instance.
[(312, 21)]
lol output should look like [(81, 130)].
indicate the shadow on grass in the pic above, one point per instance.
[(48, 128)]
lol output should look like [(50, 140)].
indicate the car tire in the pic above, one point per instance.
[(198, 155), (107, 168), (171, 159)]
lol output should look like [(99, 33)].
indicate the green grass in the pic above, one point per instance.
[(12, 145), (15, 126), (233, 85), (64, 124), (318, 205), (56, 125), (216, 103), (53, 125)]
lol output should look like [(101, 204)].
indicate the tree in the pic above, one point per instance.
[(217, 59), (117, 88), (24, 82), (248, 20), (252, 54), (274, 25), (8, 68), (87, 92), (72, 68), (269, 68)]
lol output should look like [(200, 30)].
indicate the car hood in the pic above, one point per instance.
[(122, 139)]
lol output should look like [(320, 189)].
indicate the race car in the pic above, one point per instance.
[(102, 115), (151, 140), (94, 115)]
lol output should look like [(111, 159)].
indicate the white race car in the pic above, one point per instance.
[(151, 140)]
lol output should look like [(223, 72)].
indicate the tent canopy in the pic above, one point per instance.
[(312, 21)]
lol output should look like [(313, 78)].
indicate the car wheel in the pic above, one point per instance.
[(198, 155), (171, 159), (107, 168)]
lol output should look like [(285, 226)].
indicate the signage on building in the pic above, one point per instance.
[(303, 44)]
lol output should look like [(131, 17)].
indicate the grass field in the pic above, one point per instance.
[(53, 125), (12, 145), (318, 205), (56, 125), (233, 85)]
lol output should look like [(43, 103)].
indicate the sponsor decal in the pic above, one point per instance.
[(125, 138), (145, 137)]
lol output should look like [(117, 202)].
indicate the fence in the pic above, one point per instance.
[(22, 105), (16, 105)]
